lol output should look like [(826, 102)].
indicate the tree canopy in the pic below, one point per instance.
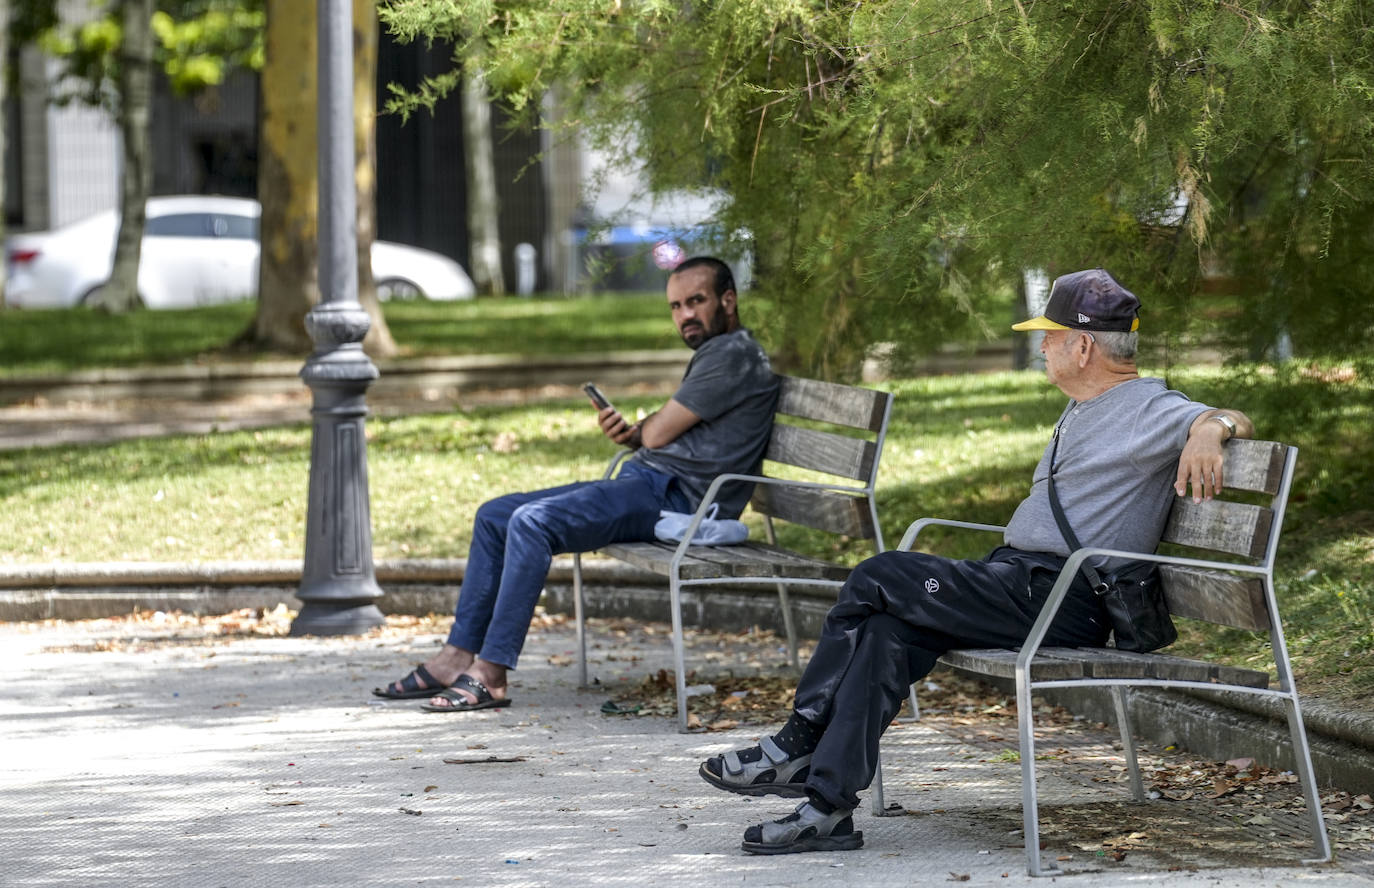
[(895, 162)]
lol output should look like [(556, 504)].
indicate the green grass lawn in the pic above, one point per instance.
[(45, 342), (959, 446)]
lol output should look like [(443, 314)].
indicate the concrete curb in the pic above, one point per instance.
[(1219, 725), (199, 382)]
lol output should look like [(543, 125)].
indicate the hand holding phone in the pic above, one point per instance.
[(595, 394)]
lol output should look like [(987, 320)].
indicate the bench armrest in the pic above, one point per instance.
[(920, 524)]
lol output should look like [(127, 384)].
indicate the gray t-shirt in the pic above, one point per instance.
[(1114, 472), (730, 385)]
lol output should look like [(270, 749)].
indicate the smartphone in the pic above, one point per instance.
[(595, 394)]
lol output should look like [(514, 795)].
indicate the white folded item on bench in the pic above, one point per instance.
[(672, 527)]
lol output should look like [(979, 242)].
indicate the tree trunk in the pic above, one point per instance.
[(484, 247), (378, 342), (135, 101), (288, 178)]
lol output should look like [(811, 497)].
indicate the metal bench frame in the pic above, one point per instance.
[(840, 507), (1200, 588)]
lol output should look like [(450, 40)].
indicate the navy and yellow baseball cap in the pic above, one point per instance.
[(1087, 300)]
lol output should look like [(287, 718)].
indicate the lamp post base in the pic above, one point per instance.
[(337, 618)]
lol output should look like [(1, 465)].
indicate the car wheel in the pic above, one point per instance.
[(398, 289)]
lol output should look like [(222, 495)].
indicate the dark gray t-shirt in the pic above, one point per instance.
[(1114, 472), (730, 385)]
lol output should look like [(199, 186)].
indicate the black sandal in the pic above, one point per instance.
[(411, 688), (459, 703)]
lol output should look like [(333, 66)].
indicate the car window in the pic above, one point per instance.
[(203, 225)]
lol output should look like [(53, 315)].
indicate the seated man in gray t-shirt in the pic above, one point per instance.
[(1126, 445), (718, 421)]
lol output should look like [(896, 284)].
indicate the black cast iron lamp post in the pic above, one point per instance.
[(338, 584)]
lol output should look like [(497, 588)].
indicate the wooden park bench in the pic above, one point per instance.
[(1228, 582), (847, 450)]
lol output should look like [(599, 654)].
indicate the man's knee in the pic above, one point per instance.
[(877, 580)]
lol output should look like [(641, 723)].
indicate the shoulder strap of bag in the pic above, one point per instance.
[(1059, 517)]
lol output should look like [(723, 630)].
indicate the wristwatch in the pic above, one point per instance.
[(1227, 423)]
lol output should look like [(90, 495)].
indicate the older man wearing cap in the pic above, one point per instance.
[(1125, 445)]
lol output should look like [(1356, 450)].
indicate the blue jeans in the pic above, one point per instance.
[(515, 537)]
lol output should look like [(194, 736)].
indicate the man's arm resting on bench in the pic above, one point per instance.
[(1200, 464)]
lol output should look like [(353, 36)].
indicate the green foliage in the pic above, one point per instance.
[(896, 163), (198, 42)]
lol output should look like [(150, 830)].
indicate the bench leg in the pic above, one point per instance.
[(788, 625), (1302, 755), (876, 797), (1030, 805), (679, 655), (581, 621), (915, 706), (1123, 721)]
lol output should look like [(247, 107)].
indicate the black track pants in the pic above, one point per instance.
[(896, 614)]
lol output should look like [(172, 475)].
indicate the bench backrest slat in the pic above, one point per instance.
[(1254, 466), (841, 453), (1237, 528), (846, 405), (1222, 598), (821, 451), (821, 509)]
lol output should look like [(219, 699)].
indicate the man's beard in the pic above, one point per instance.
[(695, 333)]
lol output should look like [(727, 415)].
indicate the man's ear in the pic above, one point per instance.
[(729, 300)]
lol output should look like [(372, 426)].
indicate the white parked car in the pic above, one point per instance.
[(196, 251)]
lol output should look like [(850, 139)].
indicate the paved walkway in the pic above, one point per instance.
[(146, 753)]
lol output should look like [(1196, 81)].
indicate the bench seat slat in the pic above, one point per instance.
[(723, 562), (654, 557), (1052, 664), (1001, 663)]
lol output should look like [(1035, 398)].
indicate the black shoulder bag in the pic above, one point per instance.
[(1131, 596)]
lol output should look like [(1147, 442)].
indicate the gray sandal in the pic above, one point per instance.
[(805, 829), (773, 774)]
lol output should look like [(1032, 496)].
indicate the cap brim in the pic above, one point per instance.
[(1040, 323)]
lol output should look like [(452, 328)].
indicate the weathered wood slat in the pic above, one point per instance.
[(792, 564), (821, 509), (1236, 528), (655, 557), (846, 405), (821, 451), (1001, 663), (734, 561), (1226, 599), (1255, 466), (723, 562), (1248, 678)]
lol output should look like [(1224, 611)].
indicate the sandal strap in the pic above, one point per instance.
[(805, 817), (473, 686), (773, 751)]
